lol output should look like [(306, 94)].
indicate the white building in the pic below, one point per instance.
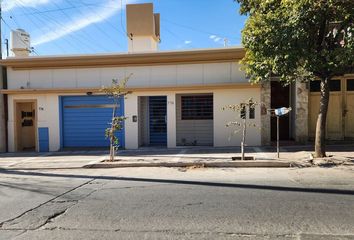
[(177, 97)]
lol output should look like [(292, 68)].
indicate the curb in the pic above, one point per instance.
[(233, 164)]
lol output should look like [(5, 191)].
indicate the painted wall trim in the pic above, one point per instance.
[(98, 90)]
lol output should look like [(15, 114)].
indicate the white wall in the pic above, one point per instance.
[(145, 76), (223, 135), (47, 116)]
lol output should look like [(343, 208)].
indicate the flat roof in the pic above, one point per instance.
[(126, 59)]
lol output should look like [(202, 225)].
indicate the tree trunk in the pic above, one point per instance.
[(320, 141), (111, 138)]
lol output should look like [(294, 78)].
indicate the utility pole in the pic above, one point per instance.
[(2, 96)]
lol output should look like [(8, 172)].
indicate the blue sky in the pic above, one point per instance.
[(97, 26)]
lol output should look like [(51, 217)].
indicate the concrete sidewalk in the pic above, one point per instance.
[(202, 157), (290, 156)]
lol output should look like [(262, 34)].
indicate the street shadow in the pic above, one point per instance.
[(185, 182)]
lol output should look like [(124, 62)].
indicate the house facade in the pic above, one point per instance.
[(176, 99)]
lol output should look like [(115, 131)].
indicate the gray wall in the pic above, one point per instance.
[(200, 131), (143, 105)]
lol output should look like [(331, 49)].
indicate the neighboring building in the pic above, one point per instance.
[(177, 97)]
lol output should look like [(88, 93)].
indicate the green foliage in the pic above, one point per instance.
[(116, 125), (294, 39), (241, 109), (116, 91)]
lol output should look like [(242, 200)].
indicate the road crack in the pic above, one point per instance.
[(40, 215)]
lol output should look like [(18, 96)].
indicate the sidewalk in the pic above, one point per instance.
[(290, 156)]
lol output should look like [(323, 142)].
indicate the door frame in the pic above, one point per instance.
[(289, 122), (149, 119), (16, 127), (345, 105)]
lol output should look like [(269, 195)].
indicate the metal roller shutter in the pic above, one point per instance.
[(84, 120)]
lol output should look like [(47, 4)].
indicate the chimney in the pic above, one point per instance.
[(143, 28), (20, 43)]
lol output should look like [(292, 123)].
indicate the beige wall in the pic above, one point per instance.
[(145, 76), (48, 116), (223, 135), (200, 131)]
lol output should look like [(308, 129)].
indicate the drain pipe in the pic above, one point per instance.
[(3, 111), (3, 101)]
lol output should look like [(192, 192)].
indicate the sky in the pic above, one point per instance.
[(60, 27)]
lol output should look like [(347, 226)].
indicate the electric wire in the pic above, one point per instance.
[(83, 30), (115, 41), (73, 36)]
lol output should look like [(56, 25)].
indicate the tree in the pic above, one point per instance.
[(242, 109), (299, 40), (116, 91)]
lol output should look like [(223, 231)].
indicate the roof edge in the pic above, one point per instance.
[(127, 59)]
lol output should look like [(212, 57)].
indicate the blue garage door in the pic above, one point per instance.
[(84, 120)]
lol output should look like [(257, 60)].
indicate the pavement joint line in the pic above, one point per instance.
[(179, 155), (29, 159), (262, 153), (52, 199), (98, 160)]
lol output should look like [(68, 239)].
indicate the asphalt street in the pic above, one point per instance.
[(168, 203)]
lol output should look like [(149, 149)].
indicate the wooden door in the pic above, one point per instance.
[(334, 125), (334, 117), (349, 109), (26, 126), (314, 107)]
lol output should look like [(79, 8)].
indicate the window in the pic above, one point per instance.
[(243, 112), (252, 113), (334, 85), (350, 85), (315, 86), (198, 107)]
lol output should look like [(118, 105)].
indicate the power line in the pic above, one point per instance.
[(197, 30), (21, 6), (69, 17), (9, 27), (177, 37), (70, 35), (115, 41)]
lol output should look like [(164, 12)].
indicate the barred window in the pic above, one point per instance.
[(198, 107)]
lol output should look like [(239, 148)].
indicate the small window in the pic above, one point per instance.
[(243, 112), (252, 112), (315, 86), (350, 84), (334, 86), (198, 107)]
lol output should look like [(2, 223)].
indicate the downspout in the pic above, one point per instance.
[(3, 111), (6, 107)]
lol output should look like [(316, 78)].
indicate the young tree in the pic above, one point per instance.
[(116, 91), (242, 109), (299, 40)]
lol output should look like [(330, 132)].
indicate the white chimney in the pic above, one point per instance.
[(20, 43), (143, 28)]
